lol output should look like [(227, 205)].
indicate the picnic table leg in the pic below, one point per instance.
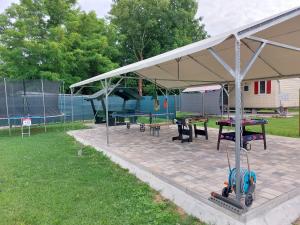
[(205, 129), (158, 129), (195, 130), (264, 135), (191, 133), (219, 136)]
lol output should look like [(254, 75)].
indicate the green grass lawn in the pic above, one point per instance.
[(288, 127), (43, 180)]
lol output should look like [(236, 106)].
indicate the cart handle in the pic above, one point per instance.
[(248, 162)]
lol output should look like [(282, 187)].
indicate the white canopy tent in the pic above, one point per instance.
[(268, 49)]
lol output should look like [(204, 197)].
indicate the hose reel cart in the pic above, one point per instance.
[(247, 187)]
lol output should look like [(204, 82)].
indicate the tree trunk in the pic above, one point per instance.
[(140, 87), (140, 83)]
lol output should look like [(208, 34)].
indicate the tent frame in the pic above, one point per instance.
[(238, 74)]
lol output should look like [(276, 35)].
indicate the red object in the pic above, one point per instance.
[(269, 86), (256, 87), (165, 103)]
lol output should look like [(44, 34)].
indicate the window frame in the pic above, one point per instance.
[(259, 87)]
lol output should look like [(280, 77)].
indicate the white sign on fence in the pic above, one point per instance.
[(26, 122)]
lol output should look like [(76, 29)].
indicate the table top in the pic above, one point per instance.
[(139, 114), (245, 122), (191, 120)]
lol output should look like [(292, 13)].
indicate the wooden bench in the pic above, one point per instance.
[(155, 127)]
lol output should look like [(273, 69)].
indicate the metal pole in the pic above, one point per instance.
[(279, 94), (179, 100), (167, 96), (72, 110), (44, 105), (175, 104), (203, 104), (106, 113), (228, 103), (64, 104), (222, 101), (237, 117), (7, 111), (82, 107), (242, 102)]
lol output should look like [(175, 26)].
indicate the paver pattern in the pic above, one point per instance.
[(198, 166)]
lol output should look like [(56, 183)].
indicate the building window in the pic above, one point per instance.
[(246, 88), (262, 87)]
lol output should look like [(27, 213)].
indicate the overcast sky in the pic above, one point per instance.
[(218, 15)]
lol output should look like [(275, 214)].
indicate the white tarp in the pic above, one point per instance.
[(197, 65)]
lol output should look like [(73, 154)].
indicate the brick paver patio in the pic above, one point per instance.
[(198, 167)]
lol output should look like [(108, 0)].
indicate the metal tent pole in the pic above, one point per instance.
[(167, 96), (203, 103), (6, 103), (222, 101), (106, 113), (237, 117), (228, 103), (175, 104), (72, 110), (179, 100), (82, 108), (44, 105)]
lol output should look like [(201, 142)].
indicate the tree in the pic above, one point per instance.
[(55, 40), (150, 27)]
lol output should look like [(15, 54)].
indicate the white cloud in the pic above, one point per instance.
[(5, 3), (101, 7), (218, 15)]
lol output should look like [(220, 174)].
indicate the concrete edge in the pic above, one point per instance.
[(284, 214)]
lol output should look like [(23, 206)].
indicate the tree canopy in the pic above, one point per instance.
[(55, 40), (152, 27)]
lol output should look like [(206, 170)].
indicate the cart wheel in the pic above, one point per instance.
[(248, 200), (225, 192)]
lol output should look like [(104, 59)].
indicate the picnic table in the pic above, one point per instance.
[(185, 127), (247, 135)]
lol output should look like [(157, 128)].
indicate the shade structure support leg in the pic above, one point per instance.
[(7, 110), (106, 112), (238, 116), (222, 101), (167, 97), (228, 101), (203, 111)]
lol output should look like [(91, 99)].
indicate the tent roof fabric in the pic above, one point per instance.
[(275, 39), (100, 94), (122, 92)]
